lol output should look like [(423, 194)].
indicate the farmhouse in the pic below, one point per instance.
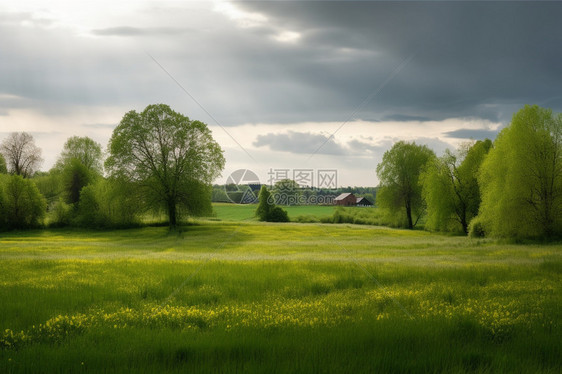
[(349, 199), (346, 199)]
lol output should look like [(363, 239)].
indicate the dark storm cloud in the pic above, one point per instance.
[(472, 134), (300, 142), (404, 117), (468, 59), (467, 55)]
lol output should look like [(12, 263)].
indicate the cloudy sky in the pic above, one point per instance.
[(275, 80)]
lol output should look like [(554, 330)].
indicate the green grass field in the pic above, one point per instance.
[(274, 298), (241, 212)]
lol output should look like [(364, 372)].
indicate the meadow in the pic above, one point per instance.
[(236, 296), (246, 212)]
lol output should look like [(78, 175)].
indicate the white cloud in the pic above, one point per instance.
[(242, 18), (287, 37)]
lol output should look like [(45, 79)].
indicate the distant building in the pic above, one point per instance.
[(363, 201), (349, 199), (346, 199)]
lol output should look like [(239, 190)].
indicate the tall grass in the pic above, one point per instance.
[(253, 297)]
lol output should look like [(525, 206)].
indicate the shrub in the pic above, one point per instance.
[(267, 211), (476, 228), (278, 214)]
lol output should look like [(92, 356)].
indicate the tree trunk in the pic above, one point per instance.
[(464, 225), (409, 214), (172, 213)]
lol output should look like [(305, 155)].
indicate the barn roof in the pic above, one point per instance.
[(343, 196), (363, 200)]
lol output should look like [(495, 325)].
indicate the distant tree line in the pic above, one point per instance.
[(284, 188), (159, 161)]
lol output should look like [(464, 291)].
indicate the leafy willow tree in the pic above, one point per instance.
[(400, 191), (79, 164), (83, 149), (521, 179), (450, 187), (23, 157), (165, 154)]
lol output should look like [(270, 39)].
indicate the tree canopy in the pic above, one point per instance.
[(450, 187), (165, 154), (22, 156), (83, 149), (521, 179), (400, 187)]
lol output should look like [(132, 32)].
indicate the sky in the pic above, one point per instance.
[(283, 85)]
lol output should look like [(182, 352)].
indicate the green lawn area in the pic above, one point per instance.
[(273, 298), (240, 212)]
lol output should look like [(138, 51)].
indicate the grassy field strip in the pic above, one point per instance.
[(335, 257)]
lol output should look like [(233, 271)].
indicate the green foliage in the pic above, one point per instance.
[(219, 195), (87, 151), (3, 168), (476, 228), (400, 192), (265, 204), (89, 212), (23, 204), (50, 184), (521, 179), (286, 192), (108, 203), (196, 202), (450, 187), (267, 211), (278, 214), (75, 176), (163, 153), (359, 216), (60, 214)]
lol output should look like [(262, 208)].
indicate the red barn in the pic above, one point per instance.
[(346, 199)]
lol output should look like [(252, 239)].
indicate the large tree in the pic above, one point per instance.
[(521, 179), (22, 155), (79, 164), (83, 149), (450, 187), (399, 175), (166, 154)]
